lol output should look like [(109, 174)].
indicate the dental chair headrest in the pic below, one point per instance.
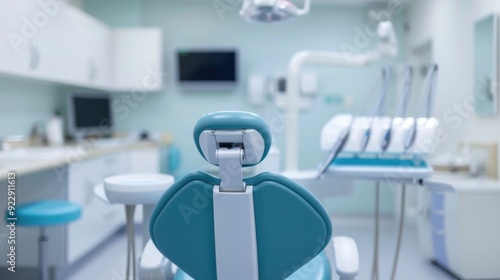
[(230, 130)]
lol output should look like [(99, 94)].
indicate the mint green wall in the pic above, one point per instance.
[(263, 49), (22, 103), (127, 13)]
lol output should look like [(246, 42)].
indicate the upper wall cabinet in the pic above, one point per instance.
[(55, 42), (16, 53), (138, 59)]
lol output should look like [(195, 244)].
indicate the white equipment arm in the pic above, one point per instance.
[(153, 265), (387, 48), (346, 257)]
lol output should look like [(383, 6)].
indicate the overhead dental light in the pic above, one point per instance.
[(270, 11)]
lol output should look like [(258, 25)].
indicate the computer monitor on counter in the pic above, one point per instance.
[(89, 114)]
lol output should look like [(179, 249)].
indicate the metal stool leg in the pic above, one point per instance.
[(42, 259), (131, 265), (147, 210)]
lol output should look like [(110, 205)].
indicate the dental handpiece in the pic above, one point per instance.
[(402, 110), (366, 138), (411, 136), (336, 149), (427, 100), (387, 139)]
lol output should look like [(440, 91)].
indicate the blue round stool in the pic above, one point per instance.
[(43, 214)]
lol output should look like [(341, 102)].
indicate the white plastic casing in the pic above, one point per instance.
[(333, 129), (423, 144), (400, 129), (346, 257), (235, 235)]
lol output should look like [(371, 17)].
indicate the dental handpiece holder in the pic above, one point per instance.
[(377, 146)]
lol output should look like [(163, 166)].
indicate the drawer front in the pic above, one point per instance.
[(439, 247), (437, 200), (437, 218)]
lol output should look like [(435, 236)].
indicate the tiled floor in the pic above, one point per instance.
[(110, 263)]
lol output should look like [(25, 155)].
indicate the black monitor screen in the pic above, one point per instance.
[(92, 112), (207, 66)]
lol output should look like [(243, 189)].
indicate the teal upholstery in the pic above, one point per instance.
[(292, 226), (317, 269), (47, 213), (182, 224), (181, 275), (233, 121)]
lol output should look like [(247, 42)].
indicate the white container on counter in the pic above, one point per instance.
[(54, 130)]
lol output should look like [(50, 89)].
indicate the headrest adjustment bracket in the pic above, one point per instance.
[(249, 141), (230, 169)]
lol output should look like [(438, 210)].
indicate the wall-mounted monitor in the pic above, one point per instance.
[(89, 114), (202, 68)]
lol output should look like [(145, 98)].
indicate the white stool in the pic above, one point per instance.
[(131, 190)]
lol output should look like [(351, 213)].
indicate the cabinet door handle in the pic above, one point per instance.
[(38, 54), (34, 49), (89, 191)]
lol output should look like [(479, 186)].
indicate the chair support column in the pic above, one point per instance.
[(129, 212), (147, 210), (42, 258)]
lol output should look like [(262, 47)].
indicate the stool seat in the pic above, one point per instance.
[(132, 189), (47, 213)]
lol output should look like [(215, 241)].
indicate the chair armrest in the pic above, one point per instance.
[(346, 257), (153, 265)]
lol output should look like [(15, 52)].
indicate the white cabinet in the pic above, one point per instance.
[(57, 50), (97, 46), (460, 230), (144, 160), (77, 48), (138, 59), (15, 50), (99, 219), (72, 48), (55, 42)]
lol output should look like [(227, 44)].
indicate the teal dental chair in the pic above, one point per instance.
[(235, 228)]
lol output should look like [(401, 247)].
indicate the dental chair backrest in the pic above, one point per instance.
[(227, 228)]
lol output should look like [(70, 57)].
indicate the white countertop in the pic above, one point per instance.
[(464, 183), (24, 161)]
